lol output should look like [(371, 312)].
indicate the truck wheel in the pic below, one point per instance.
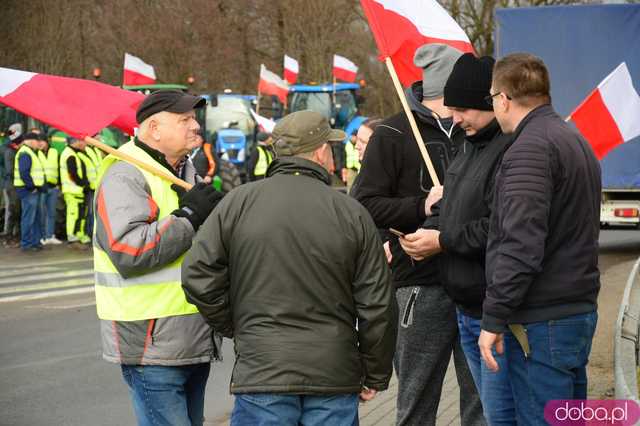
[(230, 176)]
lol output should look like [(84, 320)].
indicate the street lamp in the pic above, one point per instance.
[(190, 79), (96, 73)]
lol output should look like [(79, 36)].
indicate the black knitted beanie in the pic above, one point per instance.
[(469, 82)]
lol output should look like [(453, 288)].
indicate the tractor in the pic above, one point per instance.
[(338, 102)]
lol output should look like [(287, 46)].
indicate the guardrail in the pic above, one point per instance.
[(626, 339)]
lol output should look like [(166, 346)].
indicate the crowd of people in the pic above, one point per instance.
[(34, 175), (324, 293)]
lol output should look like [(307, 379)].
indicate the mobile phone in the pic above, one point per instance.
[(396, 232)]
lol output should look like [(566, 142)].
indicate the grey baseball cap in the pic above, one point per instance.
[(303, 131)]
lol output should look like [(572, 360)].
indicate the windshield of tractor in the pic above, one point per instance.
[(319, 102), (346, 108), (230, 109)]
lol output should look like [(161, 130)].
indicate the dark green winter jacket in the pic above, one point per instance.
[(295, 272)]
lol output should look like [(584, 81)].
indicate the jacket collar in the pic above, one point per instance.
[(486, 134), (298, 166), (160, 157), (424, 114), (541, 110)]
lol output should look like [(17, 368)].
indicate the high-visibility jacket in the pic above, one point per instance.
[(264, 159), (51, 164), (156, 294), (36, 172), (68, 185), (352, 161), (91, 167), (94, 154)]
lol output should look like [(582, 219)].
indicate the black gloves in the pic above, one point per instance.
[(197, 203)]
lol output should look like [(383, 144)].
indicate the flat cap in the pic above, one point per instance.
[(170, 101)]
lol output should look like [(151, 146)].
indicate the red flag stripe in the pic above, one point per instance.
[(597, 125), (76, 106), (344, 75), (290, 76), (132, 78)]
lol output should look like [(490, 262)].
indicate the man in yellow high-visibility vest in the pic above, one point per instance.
[(143, 228), (50, 160), (29, 179)]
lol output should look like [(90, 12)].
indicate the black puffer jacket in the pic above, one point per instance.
[(542, 251), (286, 265), (393, 183), (464, 217)]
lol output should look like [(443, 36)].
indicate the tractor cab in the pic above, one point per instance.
[(339, 102)]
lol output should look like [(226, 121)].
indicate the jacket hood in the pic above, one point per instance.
[(414, 98), (297, 165)]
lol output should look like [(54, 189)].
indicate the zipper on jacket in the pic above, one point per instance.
[(407, 317)]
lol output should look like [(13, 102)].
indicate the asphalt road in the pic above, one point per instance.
[(51, 372)]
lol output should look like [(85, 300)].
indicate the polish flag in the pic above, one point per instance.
[(75, 106), (401, 26), (611, 114), (137, 72), (271, 84), (290, 69), (344, 69), (266, 124)]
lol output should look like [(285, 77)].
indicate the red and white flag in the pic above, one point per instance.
[(290, 69), (266, 124), (75, 106), (401, 26), (344, 69), (271, 84), (137, 72), (611, 114)]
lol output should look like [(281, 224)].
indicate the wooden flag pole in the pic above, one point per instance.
[(412, 122), (132, 160), (258, 103)]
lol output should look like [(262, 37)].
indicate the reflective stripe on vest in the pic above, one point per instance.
[(264, 159), (36, 172), (352, 161), (157, 294), (92, 169), (51, 165), (68, 185)]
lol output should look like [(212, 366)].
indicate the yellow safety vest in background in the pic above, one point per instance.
[(36, 172), (264, 159), (68, 185), (92, 169), (352, 161), (51, 165), (157, 294)]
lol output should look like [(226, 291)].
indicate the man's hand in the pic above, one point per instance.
[(207, 179), (486, 342), (434, 196), (367, 394), (197, 203), (421, 244), (387, 252), (343, 174)]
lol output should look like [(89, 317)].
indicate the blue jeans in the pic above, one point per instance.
[(49, 201), (270, 409), (167, 396), (494, 388), (30, 233), (556, 366)]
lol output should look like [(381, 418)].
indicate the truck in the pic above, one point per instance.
[(581, 45)]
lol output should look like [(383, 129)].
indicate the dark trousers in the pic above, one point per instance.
[(427, 336)]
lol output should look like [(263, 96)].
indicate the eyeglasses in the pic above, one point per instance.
[(489, 99)]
